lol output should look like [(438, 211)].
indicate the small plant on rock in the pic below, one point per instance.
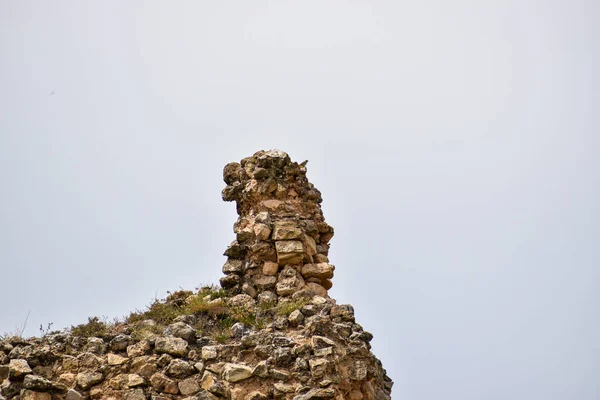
[(94, 327)]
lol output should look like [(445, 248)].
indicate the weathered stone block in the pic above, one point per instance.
[(236, 372), (17, 369), (27, 394), (320, 271), (171, 345), (286, 231), (270, 268), (317, 289), (233, 266), (265, 283), (289, 251), (262, 231)]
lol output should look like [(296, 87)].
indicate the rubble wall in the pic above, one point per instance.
[(282, 239), (271, 332)]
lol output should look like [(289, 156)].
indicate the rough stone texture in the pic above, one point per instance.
[(171, 345), (32, 395), (236, 372), (280, 224), (281, 335), (181, 330), (86, 380), (17, 369)]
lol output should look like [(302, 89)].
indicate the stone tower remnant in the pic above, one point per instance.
[(274, 333), (282, 239)]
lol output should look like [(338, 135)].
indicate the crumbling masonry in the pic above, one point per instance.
[(282, 239)]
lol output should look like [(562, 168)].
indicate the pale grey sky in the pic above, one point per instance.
[(455, 143)]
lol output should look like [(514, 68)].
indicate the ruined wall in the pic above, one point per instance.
[(272, 333), (282, 239)]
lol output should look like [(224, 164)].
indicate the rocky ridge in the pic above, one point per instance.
[(270, 332)]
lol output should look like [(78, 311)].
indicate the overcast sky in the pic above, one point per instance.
[(455, 144)]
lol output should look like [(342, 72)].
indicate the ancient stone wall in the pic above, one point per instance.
[(271, 333), (282, 239)]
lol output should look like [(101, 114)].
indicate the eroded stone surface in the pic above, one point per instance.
[(273, 333), (280, 224)]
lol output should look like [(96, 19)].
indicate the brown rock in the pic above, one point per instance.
[(284, 230), (317, 289), (138, 349), (27, 394), (320, 271), (180, 369), (136, 394), (319, 258), (262, 231), (145, 366), (17, 369), (189, 387), (229, 281), (289, 252), (171, 345), (327, 284), (355, 395), (70, 363), (310, 245), (236, 372), (89, 360), (271, 205), (161, 383), (86, 380), (115, 359), (73, 395), (67, 379), (264, 283), (270, 268)]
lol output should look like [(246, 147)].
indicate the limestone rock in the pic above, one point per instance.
[(296, 318), (236, 372), (120, 342), (242, 300), (189, 387), (162, 383), (320, 270), (209, 352), (95, 345), (86, 380), (183, 331), (138, 349), (233, 266), (115, 359), (286, 231), (171, 345), (316, 289), (27, 394), (17, 369), (317, 394), (179, 369), (134, 380), (73, 394), (270, 268), (289, 252)]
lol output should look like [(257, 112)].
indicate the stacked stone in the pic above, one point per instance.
[(282, 239), (324, 355)]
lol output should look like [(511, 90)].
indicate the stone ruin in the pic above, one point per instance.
[(282, 239), (272, 333)]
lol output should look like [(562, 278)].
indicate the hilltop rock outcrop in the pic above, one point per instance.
[(271, 332)]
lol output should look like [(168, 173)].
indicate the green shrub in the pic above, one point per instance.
[(93, 328), (161, 312), (289, 307)]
